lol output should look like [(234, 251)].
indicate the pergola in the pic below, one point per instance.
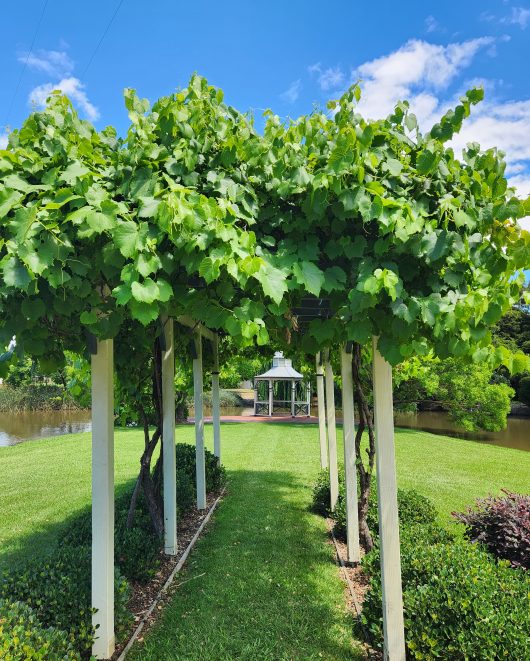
[(102, 368), (279, 387), (103, 469)]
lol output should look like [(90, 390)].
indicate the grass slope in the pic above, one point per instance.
[(264, 585)]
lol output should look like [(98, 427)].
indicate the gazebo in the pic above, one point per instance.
[(281, 388)]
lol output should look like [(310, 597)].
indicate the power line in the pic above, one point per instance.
[(45, 4), (102, 37)]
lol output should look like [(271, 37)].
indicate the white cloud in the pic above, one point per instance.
[(328, 79), (416, 69), (292, 93), (73, 88), (431, 24), (3, 140), (522, 184), (519, 16), (56, 64)]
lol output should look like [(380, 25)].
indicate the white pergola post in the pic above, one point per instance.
[(332, 433), (199, 423), (293, 397), (350, 470), (393, 627), (216, 413), (168, 439), (103, 499), (321, 405), (271, 395)]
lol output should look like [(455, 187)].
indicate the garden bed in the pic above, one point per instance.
[(148, 599)]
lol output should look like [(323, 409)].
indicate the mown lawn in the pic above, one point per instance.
[(264, 585)]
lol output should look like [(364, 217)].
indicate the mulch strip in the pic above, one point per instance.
[(355, 587), (144, 594)]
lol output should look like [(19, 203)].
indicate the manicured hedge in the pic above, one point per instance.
[(54, 592), (24, 638), (459, 603)]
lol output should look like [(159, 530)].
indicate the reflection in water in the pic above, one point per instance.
[(31, 425), (516, 435)]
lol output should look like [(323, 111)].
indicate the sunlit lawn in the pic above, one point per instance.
[(264, 583)]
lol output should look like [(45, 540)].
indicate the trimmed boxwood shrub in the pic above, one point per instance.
[(412, 506), (502, 525), (459, 603), (23, 637), (57, 589), (215, 474)]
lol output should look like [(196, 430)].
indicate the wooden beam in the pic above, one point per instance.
[(332, 433), (350, 470), (197, 326), (321, 404), (393, 627), (199, 424), (216, 413), (102, 364), (168, 439)]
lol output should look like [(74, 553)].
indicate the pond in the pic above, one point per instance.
[(31, 425), (516, 435)]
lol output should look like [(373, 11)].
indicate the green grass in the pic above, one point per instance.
[(263, 582)]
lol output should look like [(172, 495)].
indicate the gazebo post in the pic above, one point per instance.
[(168, 439), (332, 433), (271, 395), (216, 414), (308, 396), (393, 626), (321, 403), (293, 397), (103, 499), (350, 470), (199, 423)]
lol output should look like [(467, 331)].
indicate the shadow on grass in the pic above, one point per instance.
[(262, 584), (43, 539)]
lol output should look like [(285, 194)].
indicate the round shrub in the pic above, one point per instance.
[(215, 473), (412, 508), (458, 602), (23, 638)]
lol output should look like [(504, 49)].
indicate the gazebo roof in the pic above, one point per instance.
[(282, 368)]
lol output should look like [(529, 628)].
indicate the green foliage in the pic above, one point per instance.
[(23, 637), (58, 590), (459, 603), (197, 213), (471, 392)]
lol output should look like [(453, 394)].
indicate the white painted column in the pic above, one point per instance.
[(293, 397), (393, 627), (271, 397), (308, 395), (350, 470), (332, 433), (216, 413), (321, 405), (256, 386), (199, 424), (168, 439), (103, 499)]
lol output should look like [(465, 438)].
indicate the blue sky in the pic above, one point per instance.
[(287, 56)]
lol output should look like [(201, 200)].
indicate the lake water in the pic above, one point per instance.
[(516, 435), (32, 425)]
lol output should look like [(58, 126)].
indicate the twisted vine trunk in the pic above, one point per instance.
[(151, 483), (364, 471)]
